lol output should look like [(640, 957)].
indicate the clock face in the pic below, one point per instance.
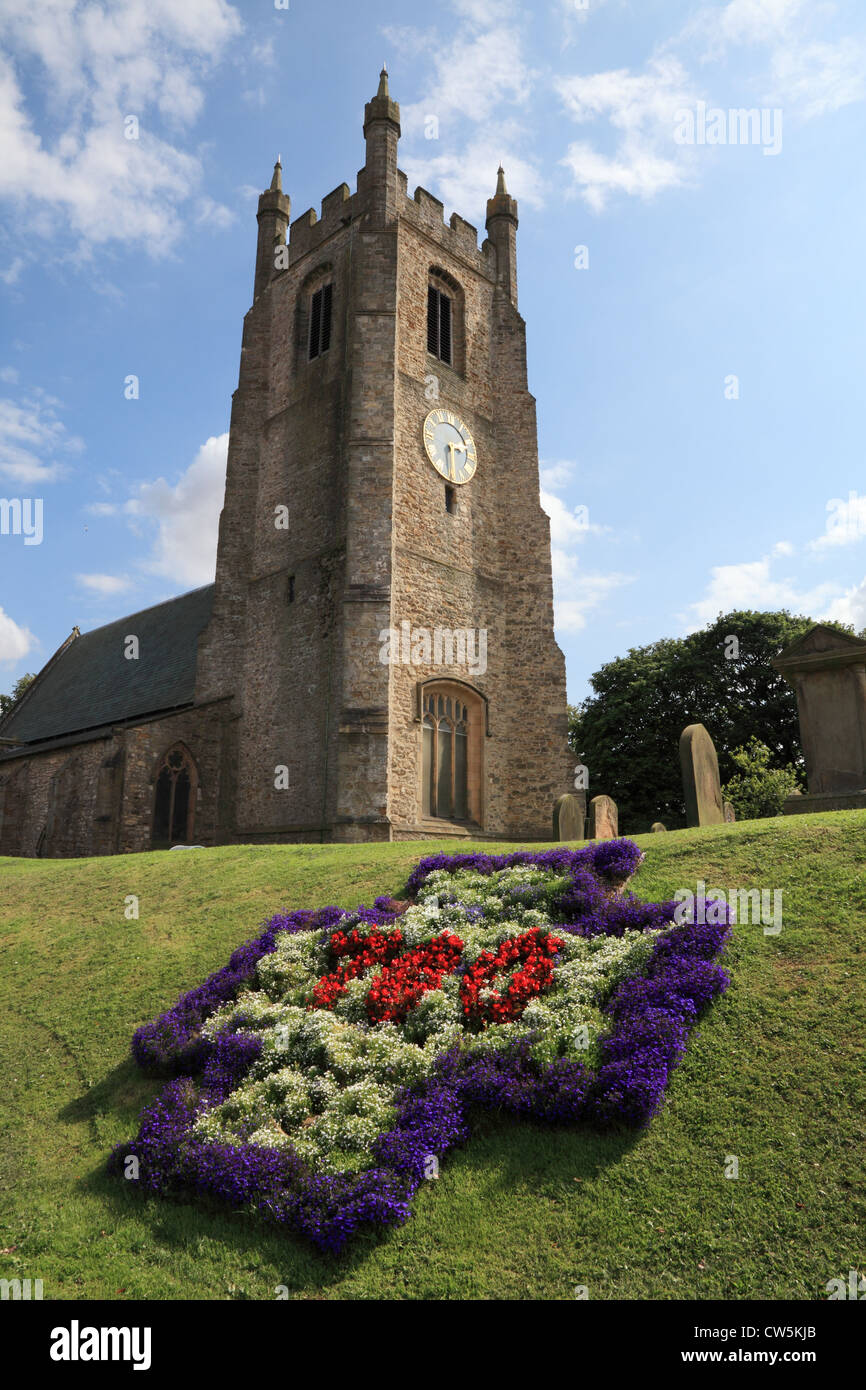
[(450, 447)]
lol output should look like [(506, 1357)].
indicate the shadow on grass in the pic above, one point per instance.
[(511, 1154), (123, 1094)]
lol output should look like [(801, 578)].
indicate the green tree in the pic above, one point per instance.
[(7, 701), (757, 789), (627, 732)]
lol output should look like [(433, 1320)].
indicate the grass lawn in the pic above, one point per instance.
[(774, 1075)]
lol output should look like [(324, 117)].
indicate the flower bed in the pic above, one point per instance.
[(340, 1055)]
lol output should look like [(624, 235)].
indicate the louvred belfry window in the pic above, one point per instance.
[(320, 321), (439, 324)]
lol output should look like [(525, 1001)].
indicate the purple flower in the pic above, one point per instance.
[(650, 1017)]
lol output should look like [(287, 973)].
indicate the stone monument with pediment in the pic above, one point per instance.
[(827, 669)]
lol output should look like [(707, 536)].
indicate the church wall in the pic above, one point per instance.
[(292, 635), (96, 797), (313, 695), (50, 802), (534, 667), (361, 809), (144, 745)]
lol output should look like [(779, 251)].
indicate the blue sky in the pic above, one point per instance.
[(699, 381)]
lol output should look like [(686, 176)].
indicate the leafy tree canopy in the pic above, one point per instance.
[(627, 733), (7, 701), (758, 789)]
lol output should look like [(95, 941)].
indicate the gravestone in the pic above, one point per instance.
[(657, 826), (603, 819), (828, 672), (569, 817), (700, 769), (730, 813)]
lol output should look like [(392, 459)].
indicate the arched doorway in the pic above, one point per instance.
[(174, 798)]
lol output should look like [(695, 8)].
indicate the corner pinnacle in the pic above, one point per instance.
[(500, 182), (383, 83), (277, 180)]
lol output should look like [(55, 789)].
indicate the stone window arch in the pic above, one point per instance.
[(446, 335), (453, 717), (174, 798)]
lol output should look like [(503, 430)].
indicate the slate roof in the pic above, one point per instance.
[(89, 682)]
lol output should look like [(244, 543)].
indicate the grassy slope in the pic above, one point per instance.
[(774, 1076)]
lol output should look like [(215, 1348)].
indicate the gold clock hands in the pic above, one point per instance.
[(454, 449)]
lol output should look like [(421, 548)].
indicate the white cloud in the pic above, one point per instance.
[(576, 592), (9, 375), (782, 548), (480, 84), (751, 585), (408, 41), (12, 274), (641, 109), (474, 75), (817, 78), (568, 525), (263, 53), (31, 436), (577, 12), (104, 584), (807, 75), (186, 516), (15, 641), (484, 13), (846, 523), (850, 607), (466, 178), (98, 63), (804, 74), (555, 475), (743, 22), (214, 214)]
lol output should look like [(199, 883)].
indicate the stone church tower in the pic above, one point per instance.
[(376, 658), (374, 539)]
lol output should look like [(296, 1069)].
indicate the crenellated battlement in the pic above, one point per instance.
[(382, 195), (339, 207), (309, 230)]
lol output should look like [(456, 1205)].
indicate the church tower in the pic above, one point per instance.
[(382, 624)]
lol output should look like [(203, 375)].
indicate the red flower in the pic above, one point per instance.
[(357, 953), (406, 976), (401, 984), (532, 951)]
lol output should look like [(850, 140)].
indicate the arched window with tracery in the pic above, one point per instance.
[(451, 730), (174, 798)]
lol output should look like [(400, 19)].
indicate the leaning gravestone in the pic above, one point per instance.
[(730, 813), (603, 819), (657, 826), (700, 769), (569, 817)]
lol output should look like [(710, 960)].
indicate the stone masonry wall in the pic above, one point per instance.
[(487, 564), (294, 641), (96, 797)]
